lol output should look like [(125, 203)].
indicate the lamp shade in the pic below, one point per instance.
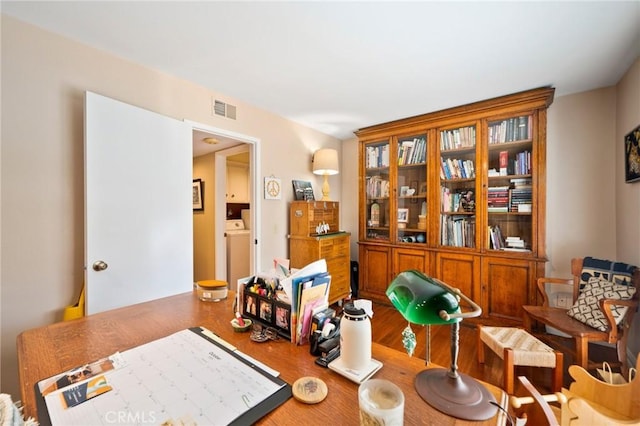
[(325, 162), (421, 299)]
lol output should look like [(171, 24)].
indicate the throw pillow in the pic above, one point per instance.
[(587, 309), (616, 272)]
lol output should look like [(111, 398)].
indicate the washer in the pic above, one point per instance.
[(238, 251)]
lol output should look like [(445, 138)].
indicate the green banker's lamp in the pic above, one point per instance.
[(424, 300)]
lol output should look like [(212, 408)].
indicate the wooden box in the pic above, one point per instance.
[(306, 216)]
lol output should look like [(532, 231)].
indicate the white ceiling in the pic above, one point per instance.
[(339, 66)]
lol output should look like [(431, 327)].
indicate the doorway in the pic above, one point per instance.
[(210, 160)]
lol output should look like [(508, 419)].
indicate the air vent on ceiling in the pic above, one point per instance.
[(223, 109)]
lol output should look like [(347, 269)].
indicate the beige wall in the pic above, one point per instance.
[(204, 221), (44, 78), (581, 219), (628, 194)]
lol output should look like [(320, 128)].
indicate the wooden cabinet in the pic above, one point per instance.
[(460, 195), (307, 245), (509, 286), (237, 182), (374, 271), (460, 270)]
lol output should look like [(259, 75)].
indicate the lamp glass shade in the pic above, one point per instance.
[(325, 162), (420, 299)]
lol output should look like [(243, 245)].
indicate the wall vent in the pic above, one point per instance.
[(223, 109), (231, 111)]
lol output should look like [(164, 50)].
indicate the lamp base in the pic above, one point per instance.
[(462, 397)]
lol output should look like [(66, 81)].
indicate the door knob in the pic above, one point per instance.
[(99, 265)]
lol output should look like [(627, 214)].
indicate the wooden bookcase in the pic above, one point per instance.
[(458, 194), (306, 245)]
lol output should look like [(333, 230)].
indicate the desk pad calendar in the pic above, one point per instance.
[(189, 377)]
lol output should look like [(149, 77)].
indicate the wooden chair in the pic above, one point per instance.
[(581, 333), (592, 401), (534, 409), (588, 401)]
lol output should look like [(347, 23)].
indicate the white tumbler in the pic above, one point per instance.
[(355, 338)]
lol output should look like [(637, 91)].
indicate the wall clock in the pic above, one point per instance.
[(272, 188)]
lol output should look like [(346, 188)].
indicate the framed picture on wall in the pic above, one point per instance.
[(198, 201), (632, 156)]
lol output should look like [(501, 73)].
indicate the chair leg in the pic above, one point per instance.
[(509, 370), (558, 376), (582, 352), (480, 346), (621, 349), (526, 322)]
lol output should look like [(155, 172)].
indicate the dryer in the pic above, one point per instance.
[(238, 251)]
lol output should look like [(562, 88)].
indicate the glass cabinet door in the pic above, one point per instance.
[(509, 190), (458, 187), (377, 190), (411, 189)]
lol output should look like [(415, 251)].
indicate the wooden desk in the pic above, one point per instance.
[(46, 351)]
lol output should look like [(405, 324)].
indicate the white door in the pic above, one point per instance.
[(138, 205)]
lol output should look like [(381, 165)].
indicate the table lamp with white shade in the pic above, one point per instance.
[(325, 163)]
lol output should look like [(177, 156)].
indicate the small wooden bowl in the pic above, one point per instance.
[(239, 328)]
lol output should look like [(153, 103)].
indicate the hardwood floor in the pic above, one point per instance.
[(387, 325)]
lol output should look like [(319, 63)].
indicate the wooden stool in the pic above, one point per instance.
[(517, 347)]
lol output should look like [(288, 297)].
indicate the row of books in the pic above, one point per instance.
[(511, 129), (522, 163), (495, 238), (507, 199), (457, 231), (498, 199), (452, 168), (412, 151), (496, 241), (464, 137), (377, 156), (377, 187)]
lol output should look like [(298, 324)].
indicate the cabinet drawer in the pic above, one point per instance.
[(334, 248)]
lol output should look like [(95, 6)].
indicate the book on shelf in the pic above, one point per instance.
[(464, 137), (504, 162), (454, 168), (412, 151), (511, 129), (377, 187), (457, 231), (495, 238), (377, 156), (515, 242)]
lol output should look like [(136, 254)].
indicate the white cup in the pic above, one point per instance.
[(381, 403)]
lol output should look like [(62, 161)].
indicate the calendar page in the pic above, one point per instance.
[(184, 378)]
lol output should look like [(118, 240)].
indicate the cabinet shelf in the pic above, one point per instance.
[(483, 163)]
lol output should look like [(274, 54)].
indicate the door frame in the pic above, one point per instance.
[(220, 191)]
